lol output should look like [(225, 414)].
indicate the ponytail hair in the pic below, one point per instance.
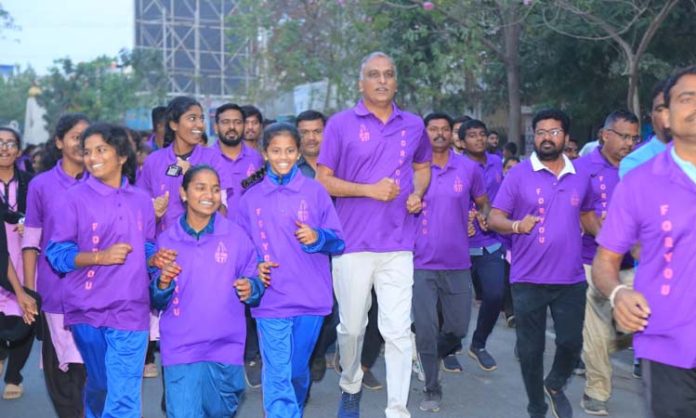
[(270, 132), (117, 137)]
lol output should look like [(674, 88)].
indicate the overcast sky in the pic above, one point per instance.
[(52, 29)]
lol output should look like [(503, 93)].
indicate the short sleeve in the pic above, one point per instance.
[(478, 187), (620, 229), (424, 152), (34, 217), (505, 199), (330, 146)]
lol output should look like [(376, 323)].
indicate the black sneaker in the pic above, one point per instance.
[(579, 369), (560, 405), (451, 364), (431, 401), (483, 358), (593, 406), (252, 373), (369, 381)]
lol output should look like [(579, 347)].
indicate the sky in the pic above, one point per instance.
[(52, 29)]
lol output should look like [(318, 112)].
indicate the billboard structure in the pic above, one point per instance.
[(200, 56)]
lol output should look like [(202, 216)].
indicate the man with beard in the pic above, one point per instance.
[(660, 138), (253, 126), (620, 133), (539, 203), (241, 160), (655, 205), (492, 143), (458, 143), (486, 251)]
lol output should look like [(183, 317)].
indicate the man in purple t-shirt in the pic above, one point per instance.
[(621, 131), (375, 160), (542, 202), (655, 206)]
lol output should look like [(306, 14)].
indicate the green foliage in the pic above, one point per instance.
[(14, 91)]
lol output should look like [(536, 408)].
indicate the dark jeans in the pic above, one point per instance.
[(452, 290), (507, 299), (16, 340), (489, 269), (671, 391), (64, 388), (567, 305)]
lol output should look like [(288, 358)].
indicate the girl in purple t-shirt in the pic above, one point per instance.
[(201, 292), (101, 245), (293, 224)]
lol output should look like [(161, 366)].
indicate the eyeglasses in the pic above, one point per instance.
[(541, 133), (8, 145), (625, 137)]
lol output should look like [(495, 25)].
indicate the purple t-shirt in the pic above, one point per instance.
[(95, 217), (442, 238), (205, 318), (551, 253), (359, 148), (301, 285), (603, 179), (248, 161), (493, 178), (655, 205), (45, 196), (154, 179)]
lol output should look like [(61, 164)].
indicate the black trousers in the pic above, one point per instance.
[(567, 305), (671, 391), (64, 388), (251, 348), (16, 340)]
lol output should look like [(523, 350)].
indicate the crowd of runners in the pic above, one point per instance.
[(283, 249)]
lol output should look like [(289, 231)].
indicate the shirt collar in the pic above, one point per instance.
[(106, 190), (242, 154), (291, 180), (537, 165), (64, 178), (361, 110), (173, 157), (208, 229)]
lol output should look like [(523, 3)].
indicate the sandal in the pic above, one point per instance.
[(12, 391)]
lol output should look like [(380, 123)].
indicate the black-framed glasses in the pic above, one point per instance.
[(625, 137), (541, 133)]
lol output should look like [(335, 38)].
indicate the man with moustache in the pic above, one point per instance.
[(375, 160), (442, 277), (540, 203), (240, 161), (310, 124), (253, 126), (458, 143), (661, 133), (655, 205), (621, 131)]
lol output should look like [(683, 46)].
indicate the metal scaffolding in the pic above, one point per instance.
[(199, 55)]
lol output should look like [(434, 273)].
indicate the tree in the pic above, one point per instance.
[(629, 24), (13, 91)]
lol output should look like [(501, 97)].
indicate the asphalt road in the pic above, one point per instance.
[(473, 393)]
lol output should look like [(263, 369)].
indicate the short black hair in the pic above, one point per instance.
[(620, 114), (555, 114), (308, 115), (224, 108), (471, 124), (438, 115), (573, 140), (657, 90), (250, 110), (674, 79), (461, 119), (493, 133), (158, 115), (511, 147)]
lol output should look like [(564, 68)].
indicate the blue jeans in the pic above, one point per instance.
[(567, 305), (286, 347), (489, 270), (203, 389), (114, 361)]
